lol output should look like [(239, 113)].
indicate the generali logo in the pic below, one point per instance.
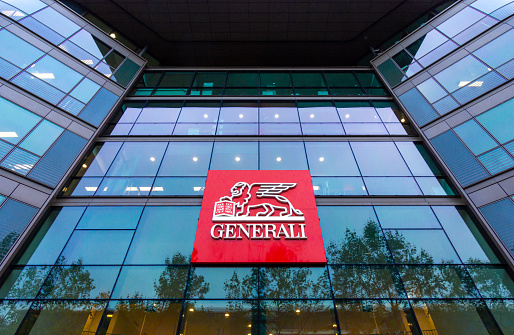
[(258, 217)]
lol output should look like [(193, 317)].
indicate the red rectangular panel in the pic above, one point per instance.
[(259, 216)]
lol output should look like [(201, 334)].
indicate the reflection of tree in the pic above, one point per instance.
[(7, 243), (172, 279)]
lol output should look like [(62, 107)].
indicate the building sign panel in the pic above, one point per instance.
[(258, 217)]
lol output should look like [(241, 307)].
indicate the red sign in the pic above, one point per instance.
[(258, 217)]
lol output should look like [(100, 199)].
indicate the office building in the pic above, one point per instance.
[(115, 220)]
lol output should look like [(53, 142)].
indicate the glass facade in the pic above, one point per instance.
[(110, 251)]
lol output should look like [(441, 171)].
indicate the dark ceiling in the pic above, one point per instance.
[(258, 32)]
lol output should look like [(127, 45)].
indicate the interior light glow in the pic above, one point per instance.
[(334, 325), (87, 61), (131, 188), (152, 159), (463, 83), (363, 188), (23, 166), (347, 116), (476, 84), (106, 188), (113, 35), (240, 116), (197, 188), (195, 159), (321, 159), (250, 325), (158, 188), (44, 75), (279, 159), (315, 188), (109, 315), (91, 188), (237, 158), (227, 315), (8, 134), (311, 116), (297, 310), (205, 116), (191, 309), (84, 166), (145, 188), (276, 116)]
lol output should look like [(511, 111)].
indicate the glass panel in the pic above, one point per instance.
[(227, 283), (364, 129), (138, 159), (278, 112), (275, 79), (331, 159), (417, 158), (318, 114), (281, 283), (12, 314), (125, 186), (16, 50), (250, 79), (97, 247), (297, 317), (141, 317), (41, 138), (437, 281), (341, 79), (499, 121), (460, 21), (90, 43), (165, 235), (368, 79), (237, 129), (79, 282), (85, 90), (114, 59), (379, 159), (354, 282), (358, 114), (238, 113), (351, 235), (492, 282), (421, 247), (63, 317), (453, 317), (392, 186), (502, 311), (152, 129), (110, 217), (194, 129), (338, 186), (406, 217), (100, 159), (434, 186), (497, 52), (282, 156), (375, 317), (235, 156), (209, 79), (475, 137), (199, 114), (178, 186), (158, 115), (55, 73), (175, 79), (465, 236), (47, 245), (308, 79), (462, 73), (24, 283), (56, 21), (280, 129), (186, 159), (16, 121), (164, 282), (225, 317), (431, 90), (322, 129), (427, 43)]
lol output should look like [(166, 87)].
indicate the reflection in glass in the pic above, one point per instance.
[(351, 235), (136, 317), (138, 159), (502, 311), (230, 317), (375, 317), (392, 186), (365, 281), (178, 186), (331, 159), (12, 314), (294, 283), (235, 156), (457, 317), (24, 283), (492, 281), (338, 186), (228, 283), (282, 156), (371, 155), (186, 159), (406, 217), (298, 317), (125, 186), (462, 73), (110, 217)]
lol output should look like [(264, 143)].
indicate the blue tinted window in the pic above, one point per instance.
[(138, 159), (318, 114), (417, 163), (16, 121), (41, 138), (406, 217), (186, 159), (501, 217), (499, 121), (125, 186), (90, 43), (97, 247), (103, 157), (282, 156), (338, 186), (379, 159), (499, 51), (280, 129), (157, 115), (431, 90), (365, 129), (460, 21), (358, 114), (475, 137), (150, 129), (235, 156), (462, 73), (55, 73), (108, 217), (16, 50), (59, 226), (322, 129), (194, 129), (278, 114), (238, 114), (237, 129), (391, 186), (427, 43), (56, 21), (178, 186), (165, 235), (331, 159), (85, 90), (199, 114)]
